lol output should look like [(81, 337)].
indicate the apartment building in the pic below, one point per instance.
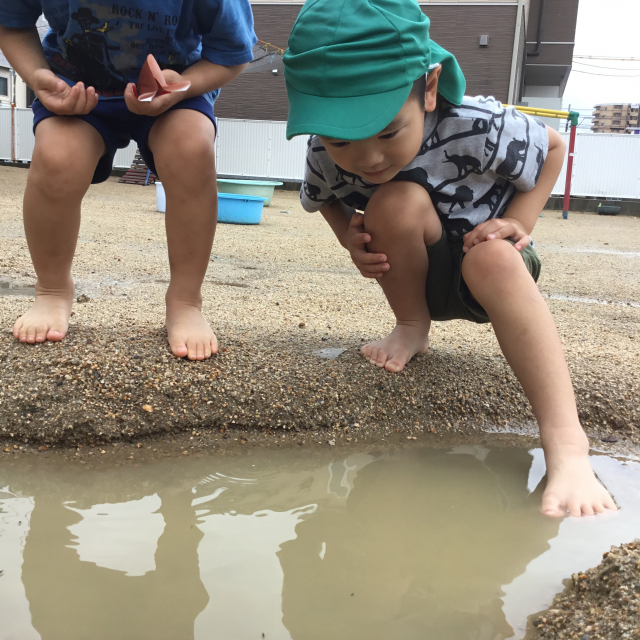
[(514, 50), (616, 118)]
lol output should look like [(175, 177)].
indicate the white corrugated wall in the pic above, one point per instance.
[(24, 138), (124, 157), (605, 165), (5, 134)]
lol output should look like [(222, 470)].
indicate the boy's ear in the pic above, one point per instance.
[(431, 90)]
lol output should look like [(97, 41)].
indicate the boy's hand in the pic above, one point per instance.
[(370, 265), (159, 104), (57, 96), (495, 229)]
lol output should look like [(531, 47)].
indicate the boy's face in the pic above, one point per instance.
[(380, 158)]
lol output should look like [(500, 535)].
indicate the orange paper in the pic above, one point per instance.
[(151, 82)]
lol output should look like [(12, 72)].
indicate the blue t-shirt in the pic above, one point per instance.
[(104, 44)]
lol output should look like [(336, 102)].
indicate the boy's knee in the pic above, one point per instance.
[(402, 207), (185, 145), (489, 261), (60, 169)]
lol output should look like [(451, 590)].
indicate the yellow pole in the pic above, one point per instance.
[(543, 113)]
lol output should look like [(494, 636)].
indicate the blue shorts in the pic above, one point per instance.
[(118, 126)]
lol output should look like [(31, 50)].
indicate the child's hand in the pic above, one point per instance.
[(498, 228), (159, 104), (370, 265), (57, 96)]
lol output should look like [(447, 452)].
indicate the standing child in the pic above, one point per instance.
[(83, 75), (451, 187)]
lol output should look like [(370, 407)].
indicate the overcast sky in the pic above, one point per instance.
[(605, 28)]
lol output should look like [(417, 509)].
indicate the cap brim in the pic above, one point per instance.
[(345, 118)]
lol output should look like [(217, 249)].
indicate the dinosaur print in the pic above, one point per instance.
[(464, 164), (516, 156), (460, 198), (350, 178)]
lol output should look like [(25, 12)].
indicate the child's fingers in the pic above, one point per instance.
[(370, 258), (357, 220), (522, 242), (81, 100), (91, 100), (360, 238)]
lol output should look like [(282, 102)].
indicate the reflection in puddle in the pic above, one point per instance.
[(562, 297), (409, 544), (9, 289), (121, 536)]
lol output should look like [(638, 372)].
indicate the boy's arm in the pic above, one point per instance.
[(524, 210), (348, 225), (23, 50)]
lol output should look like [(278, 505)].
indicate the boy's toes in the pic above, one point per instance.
[(551, 507), (213, 346), (379, 357), (587, 510), (41, 332), (394, 365), (179, 348), (366, 351)]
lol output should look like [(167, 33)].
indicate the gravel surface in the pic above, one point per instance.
[(275, 294), (602, 603)]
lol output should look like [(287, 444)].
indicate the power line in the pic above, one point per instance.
[(606, 58), (606, 75), (585, 64)]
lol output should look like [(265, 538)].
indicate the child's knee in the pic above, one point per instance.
[(182, 143), (490, 261), (402, 207), (190, 158), (60, 170)]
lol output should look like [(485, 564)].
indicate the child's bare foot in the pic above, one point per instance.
[(572, 486), (394, 351), (189, 333), (48, 318)]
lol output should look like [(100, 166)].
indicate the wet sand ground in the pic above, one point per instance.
[(276, 293)]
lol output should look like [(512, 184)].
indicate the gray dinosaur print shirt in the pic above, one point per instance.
[(473, 159)]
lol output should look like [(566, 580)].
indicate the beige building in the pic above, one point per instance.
[(615, 118)]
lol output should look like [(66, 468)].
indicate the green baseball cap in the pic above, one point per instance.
[(351, 64)]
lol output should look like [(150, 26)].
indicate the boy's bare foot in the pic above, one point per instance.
[(48, 318), (572, 487), (394, 351), (189, 333)]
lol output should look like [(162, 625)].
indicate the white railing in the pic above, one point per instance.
[(606, 165)]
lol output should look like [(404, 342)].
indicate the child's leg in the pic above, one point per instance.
[(402, 222), (182, 146), (65, 156), (499, 280)]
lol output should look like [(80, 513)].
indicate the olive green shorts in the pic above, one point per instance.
[(448, 296)]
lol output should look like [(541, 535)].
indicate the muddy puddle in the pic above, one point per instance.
[(8, 288), (410, 543)]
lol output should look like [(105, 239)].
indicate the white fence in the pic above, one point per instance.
[(605, 165), (248, 148)]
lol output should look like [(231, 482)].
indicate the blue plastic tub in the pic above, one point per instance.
[(261, 188), (239, 209)]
